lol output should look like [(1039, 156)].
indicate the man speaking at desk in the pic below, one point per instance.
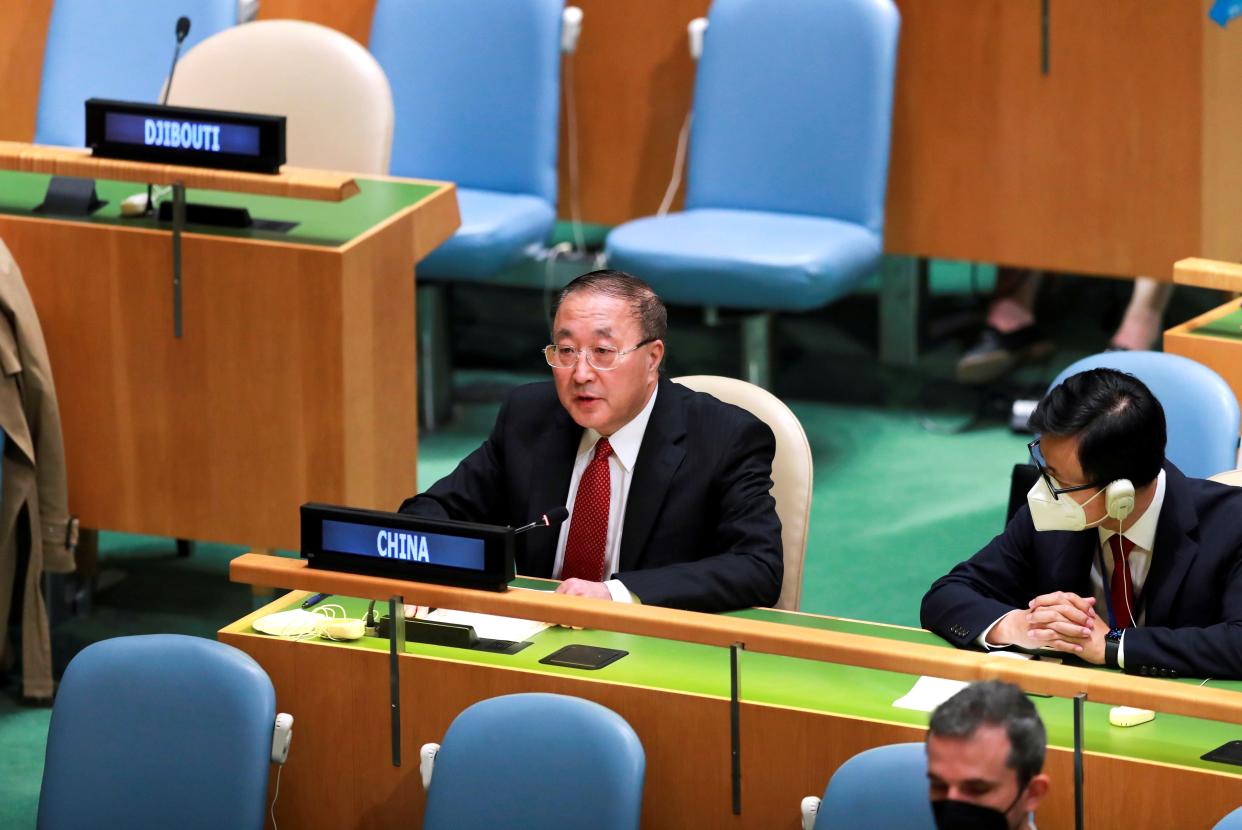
[(1117, 557), (667, 488)]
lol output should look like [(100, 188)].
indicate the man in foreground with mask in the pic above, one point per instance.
[(985, 753), (1117, 558)]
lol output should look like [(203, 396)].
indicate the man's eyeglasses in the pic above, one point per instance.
[(600, 358), (1037, 457)]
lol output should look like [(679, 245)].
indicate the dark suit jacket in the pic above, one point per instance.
[(1192, 596), (700, 528)]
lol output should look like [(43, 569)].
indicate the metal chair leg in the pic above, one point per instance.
[(435, 368), (903, 285), (757, 349)]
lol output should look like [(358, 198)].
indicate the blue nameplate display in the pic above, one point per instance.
[(407, 547), (185, 135)]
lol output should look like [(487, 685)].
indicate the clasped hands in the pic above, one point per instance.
[(1062, 621)]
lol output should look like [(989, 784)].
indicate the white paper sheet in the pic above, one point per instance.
[(928, 693), (490, 626)]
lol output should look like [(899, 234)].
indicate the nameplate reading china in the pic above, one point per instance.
[(185, 135), (407, 547)]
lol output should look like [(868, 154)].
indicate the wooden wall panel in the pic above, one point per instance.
[(23, 24)]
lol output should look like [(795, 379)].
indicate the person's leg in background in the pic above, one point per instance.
[(1143, 321), (1010, 335)]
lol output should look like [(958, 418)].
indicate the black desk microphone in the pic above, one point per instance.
[(183, 31)]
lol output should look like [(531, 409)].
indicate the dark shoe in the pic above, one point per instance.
[(997, 353)]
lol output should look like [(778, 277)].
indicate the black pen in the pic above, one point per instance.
[(317, 598)]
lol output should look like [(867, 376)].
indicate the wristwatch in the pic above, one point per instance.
[(1112, 645)]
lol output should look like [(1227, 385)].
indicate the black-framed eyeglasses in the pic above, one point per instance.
[(600, 358), (1037, 458)]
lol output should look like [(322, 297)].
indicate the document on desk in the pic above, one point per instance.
[(490, 626), (930, 692)]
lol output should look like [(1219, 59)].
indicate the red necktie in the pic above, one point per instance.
[(1122, 588), (588, 528)]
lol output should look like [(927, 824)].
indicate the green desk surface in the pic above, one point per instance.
[(824, 687), (1230, 326), (328, 224)]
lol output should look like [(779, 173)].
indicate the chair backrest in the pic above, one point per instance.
[(882, 787), (476, 84), (1233, 477), (793, 108), (1199, 407), (113, 50), (333, 93), (1233, 821), (537, 760), (792, 469), (161, 730)]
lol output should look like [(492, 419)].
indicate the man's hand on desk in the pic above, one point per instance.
[(583, 588), (1062, 621)]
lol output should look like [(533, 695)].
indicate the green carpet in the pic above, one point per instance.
[(897, 499)]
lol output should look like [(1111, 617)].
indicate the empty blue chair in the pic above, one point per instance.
[(476, 94), (161, 730), (113, 50), (1233, 821), (884, 787), (1200, 408), (476, 91), (537, 760), (788, 160)]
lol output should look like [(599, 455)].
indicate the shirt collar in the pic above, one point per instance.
[(626, 441), (1143, 532)]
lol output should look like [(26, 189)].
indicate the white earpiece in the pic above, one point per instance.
[(427, 762), (282, 736), (696, 30), (571, 29), (810, 809), (1119, 499)]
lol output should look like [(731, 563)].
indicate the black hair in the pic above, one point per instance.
[(648, 308), (1118, 421), (996, 704)]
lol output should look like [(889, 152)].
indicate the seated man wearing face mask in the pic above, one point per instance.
[(985, 753), (1117, 558)]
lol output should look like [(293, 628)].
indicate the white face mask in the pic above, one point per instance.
[(1049, 512)]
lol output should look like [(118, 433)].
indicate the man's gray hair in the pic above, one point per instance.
[(996, 704), (648, 308)]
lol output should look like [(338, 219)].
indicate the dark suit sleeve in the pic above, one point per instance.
[(1197, 651), (744, 564), (962, 604), (472, 491)]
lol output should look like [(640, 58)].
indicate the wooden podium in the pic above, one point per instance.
[(1214, 338), (294, 377)]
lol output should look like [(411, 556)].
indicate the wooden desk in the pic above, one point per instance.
[(1215, 337), (294, 379), (801, 717)]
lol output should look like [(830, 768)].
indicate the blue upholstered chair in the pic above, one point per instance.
[(113, 50), (882, 787), (536, 760), (1200, 408), (475, 88), (161, 730), (788, 160), (1233, 821), (476, 91)]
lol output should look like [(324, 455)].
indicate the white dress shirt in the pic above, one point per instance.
[(625, 444), (1143, 534)]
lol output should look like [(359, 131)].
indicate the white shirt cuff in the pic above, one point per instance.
[(982, 640), (618, 591), (1121, 652)]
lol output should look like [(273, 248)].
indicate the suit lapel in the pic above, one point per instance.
[(660, 455), (1074, 565), (1176, 547), (551, 462)]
